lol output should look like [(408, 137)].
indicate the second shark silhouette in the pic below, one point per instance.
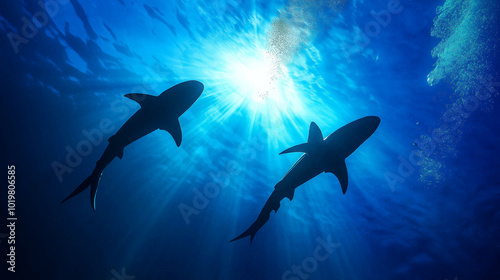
[(320, 155), (156, 112)]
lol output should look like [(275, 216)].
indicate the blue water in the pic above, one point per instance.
[(424, 191)]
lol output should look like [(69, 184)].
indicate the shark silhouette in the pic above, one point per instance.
[(320, 155), (156, 112)]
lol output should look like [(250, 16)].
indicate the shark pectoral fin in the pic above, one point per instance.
[(301, 148), (141, 98), (341, 173), (174, 128), (315, 134)]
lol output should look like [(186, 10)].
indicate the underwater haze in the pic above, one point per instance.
[(423, 200)]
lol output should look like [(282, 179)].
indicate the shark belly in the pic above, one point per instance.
[(138, 126), (303, 170)]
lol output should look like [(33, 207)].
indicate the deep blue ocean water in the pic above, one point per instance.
[(424, 191)]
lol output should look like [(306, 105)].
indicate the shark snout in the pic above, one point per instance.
[(373, 121), (196, 88)]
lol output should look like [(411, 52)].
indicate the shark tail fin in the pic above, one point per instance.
[(315, 136), (251, 231), (93, 182)]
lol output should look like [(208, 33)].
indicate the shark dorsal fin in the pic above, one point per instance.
[(341, 172), (174, 128), (315, 134), (315, 137), (141, 98)]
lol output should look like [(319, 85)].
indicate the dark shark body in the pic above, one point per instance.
[(320, 155), (156, 112)]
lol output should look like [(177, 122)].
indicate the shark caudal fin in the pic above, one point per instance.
[(93, 182), (272, 204), (315, 137), (251, 231)]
